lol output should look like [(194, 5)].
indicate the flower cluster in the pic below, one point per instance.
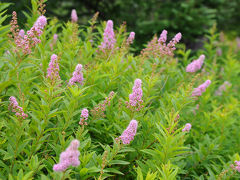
[(98, 111), (158, 47), (74, 16), (222, 88), (187, 127), (77, 76), (69, 157), (14, 107), (131, 38), (26, 41), (108, 37), (200, 89), (53, 68), (135, 98), (195, 65), (128, 134), (84, 117)]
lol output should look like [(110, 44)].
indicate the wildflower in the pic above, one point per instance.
[(108, 37), (195, 65), (131, 38), (163, 37), (98, 111), (53, 68), (16, 108), (157, 47), (128, 135), (237, 163), (222, 88), (135, 99), (21, 33), (77, 76), (173, 42), (200, 89), (26, 42), (187, 127), (84, 117), (69, 157), (74, 16)]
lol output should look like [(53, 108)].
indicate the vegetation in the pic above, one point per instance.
[(76, 103)]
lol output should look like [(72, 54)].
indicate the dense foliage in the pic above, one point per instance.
[(80, 105), (191, 17)]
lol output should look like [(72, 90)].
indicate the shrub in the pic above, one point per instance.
[(80, 105)]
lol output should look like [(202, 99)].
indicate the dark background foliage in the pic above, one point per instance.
[(146, 17)]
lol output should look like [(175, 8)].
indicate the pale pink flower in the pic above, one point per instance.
[(14, 107), (163, 37), (187, 127), (21, 33), (135, 98), (84, 117), (128, 135), (200, 89), (53, 68), (74, 16), (131, 38), (157, 47), (69, 157), (77, 76), (108, 37), (195, 65)]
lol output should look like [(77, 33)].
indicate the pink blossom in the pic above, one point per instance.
[(157, 47), (128, 135), (135, 98), (21, 33), (200, 89), (108, 37), (163, 37), (74, 16), (77, 76), (131, 38), (16, 108), (187, 127), (84, 117), (53, 68), (69, 157), (195, 65)]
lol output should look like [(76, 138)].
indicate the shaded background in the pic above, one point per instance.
[(192, 18)]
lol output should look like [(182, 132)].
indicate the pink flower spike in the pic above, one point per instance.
[(53, 68), (108, 37), (135, 98), (74, 16), (187, 127), (84, 117), (69, 157), (77, 76), (128, 135), (195, 65), (131, 38), (21, 33), (14, 107), (41, 22), (200, 89), (163, 37)]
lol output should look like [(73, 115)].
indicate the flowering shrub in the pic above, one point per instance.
[(79, 105)]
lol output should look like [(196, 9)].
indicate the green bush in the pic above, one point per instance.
[(161, 149)]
